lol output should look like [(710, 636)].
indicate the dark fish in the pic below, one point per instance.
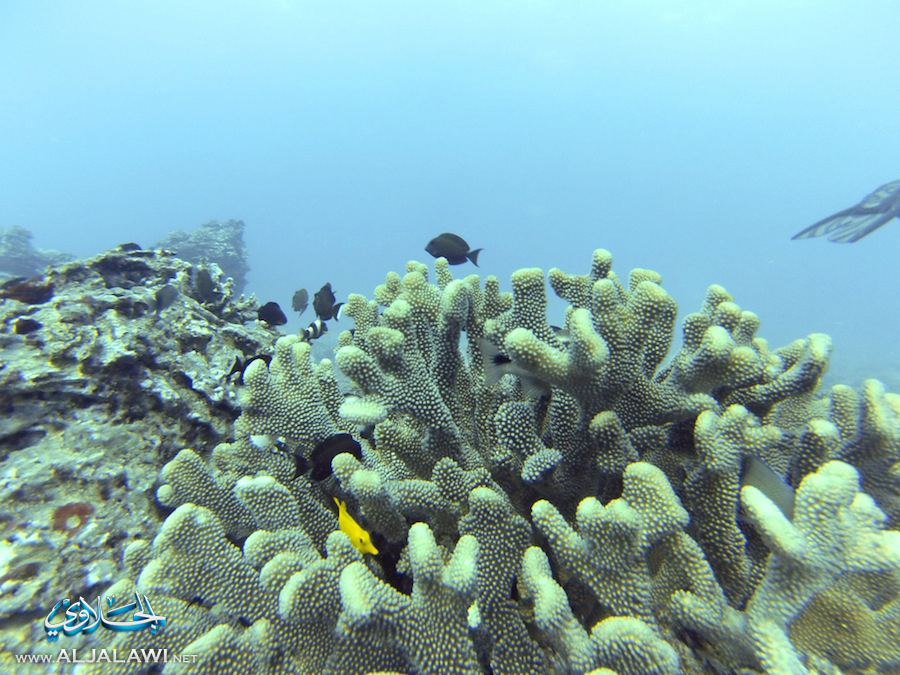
[(300, 301), (328, 449), (497, 364), (389, 554), (205, 286), (165, 296), (854, 223), (301, 466), (315, 330), (237, 367), (320, 458), (324, 304), (271, 313), (130, 246), (240, 366), (452, 247)]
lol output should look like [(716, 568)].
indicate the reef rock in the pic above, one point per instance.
[(19, 258), (110, 366), (213, 242)]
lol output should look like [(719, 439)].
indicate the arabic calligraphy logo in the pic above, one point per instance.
[(81, 617)]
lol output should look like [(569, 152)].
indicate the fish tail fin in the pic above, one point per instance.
[(301, 466), (473, 256), (338, 310), (533, 387)]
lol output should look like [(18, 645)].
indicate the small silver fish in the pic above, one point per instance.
[(497, 364), (758, 474)]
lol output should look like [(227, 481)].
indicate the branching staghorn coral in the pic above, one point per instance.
[(602, 527)]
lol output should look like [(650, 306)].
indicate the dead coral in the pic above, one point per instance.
[(29, 291), (21, 572)]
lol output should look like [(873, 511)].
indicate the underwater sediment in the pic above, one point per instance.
[(602, 521)]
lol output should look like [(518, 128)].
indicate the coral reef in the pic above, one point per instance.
[(103, 387), (19, 258), (213, 242), (589, 512)]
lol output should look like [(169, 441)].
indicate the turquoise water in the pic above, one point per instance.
[(692, 138)]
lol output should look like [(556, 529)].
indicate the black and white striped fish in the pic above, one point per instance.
[(314, 330)]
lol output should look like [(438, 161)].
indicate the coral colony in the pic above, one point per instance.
[(710, 512)]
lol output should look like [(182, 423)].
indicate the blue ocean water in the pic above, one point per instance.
[(692, 138)]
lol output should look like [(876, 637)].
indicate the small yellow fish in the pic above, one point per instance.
[(358, 536)]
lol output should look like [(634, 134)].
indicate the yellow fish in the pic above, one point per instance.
[(358, 536)]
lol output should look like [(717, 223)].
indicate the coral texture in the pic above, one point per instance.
[(213, 242), (104, 388), (19, 257), (591, 511)]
